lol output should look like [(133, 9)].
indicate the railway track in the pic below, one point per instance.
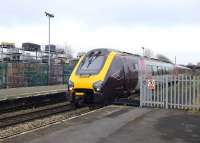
[(12, 118), (36, 112), (25, 121), (21, 121), (12, 105)]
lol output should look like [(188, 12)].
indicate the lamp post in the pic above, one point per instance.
[(49, 16), (141, 74), (142, 51)]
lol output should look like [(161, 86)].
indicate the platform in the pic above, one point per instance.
[(16, 93), (121, 124)]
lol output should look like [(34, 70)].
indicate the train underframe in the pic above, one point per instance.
[(89, 99), (99, 99)]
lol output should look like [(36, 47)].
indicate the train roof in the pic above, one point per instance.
[(107, 50), (183, 67)]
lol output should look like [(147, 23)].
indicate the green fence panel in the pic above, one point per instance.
[(14, 75), (3, 79), (67, 72)]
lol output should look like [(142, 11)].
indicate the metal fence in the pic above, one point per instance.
[(14, 75), (168, 91)]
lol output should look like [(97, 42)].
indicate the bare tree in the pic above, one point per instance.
[(68, 51), (190, 64), (80, 54), (163, 58), (148, 53)]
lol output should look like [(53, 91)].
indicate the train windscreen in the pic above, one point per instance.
[(91, 64)]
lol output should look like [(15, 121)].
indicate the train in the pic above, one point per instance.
[(103, 75)]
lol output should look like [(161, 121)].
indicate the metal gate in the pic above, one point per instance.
[(168, 91)]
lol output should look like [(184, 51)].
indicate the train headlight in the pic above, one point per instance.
[(98, 85), (70, 85)]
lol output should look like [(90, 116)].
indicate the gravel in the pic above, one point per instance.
[(10, 131)]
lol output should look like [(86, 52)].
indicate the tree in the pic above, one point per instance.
[(68, 51), (163, 58), (190, 64), (80, 54), (148, 53)]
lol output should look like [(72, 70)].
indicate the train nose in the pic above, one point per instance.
[(85, 95)]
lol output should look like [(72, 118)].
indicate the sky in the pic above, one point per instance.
[(168, 27)]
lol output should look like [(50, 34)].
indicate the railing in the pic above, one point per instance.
[(168, 91)]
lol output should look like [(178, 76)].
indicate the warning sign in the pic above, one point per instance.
[(151, 84)]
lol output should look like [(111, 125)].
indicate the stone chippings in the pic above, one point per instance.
[(38, 123)]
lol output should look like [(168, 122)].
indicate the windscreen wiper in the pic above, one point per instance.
[(91, 60)]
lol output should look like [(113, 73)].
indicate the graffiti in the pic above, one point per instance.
[(31, 74)]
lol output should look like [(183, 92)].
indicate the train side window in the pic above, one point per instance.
[(117, 65), (152, 71), (159, 70), (155, 71), (170, 70), (167, 70), (149, 69), (163, 71), (135, 66)]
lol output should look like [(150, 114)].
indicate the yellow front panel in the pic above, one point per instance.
[(86, 82)]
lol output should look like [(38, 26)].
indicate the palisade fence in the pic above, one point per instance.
[(14, 75), (169, 91)]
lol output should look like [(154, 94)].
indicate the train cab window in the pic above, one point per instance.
[(91, 64), (135, 66), (166, 70), (155, 71), (159, 70)]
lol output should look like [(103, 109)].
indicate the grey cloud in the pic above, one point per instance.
[(125, 12)]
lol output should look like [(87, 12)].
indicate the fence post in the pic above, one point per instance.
[(185, 93), (182, 91), (198, 96), (178, 79), (161, 90), (174, 102), (154, 92), (171, 87), (193, 93), (157, 91), (141, 89), (166, 93), (190, 95)]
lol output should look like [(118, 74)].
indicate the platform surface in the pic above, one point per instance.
[(121, 124), (13, 93)]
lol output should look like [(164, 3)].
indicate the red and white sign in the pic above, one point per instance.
[(151, 84)]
